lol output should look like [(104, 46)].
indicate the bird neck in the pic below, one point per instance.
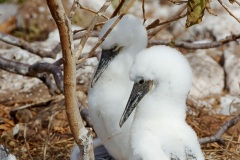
[(121, 64), (160, 105), (134, 49), (117, 72)]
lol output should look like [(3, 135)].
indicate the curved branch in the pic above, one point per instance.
[(37, 70), (156, 23), (55, 70), (217, 136), (188, 45)]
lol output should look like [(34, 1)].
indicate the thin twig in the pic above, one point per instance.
[(73, 9), (75, 37), (175, 17), (81, 35), (143, 10), (237, 2), (128, 7), (36, 103), (92, 52), (84, 29), (158, 23), (217, 136), (92, 11), (76, 4), (188, 45), (117, 10), (90, 28), (48, 135), (25, 140), (228, 10)]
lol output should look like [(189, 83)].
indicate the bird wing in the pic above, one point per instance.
[(189, 154)]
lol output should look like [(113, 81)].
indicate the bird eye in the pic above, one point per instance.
[(115, 48), (141, 81)]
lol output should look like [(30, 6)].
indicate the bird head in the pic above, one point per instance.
[(128, 32), (161, 70)]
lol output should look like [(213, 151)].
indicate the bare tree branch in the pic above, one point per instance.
[(89, 10), (156, 23), (78, 35), (76, 4), (84, 29), (143, 10), (117, 10), (188, 45), (37, 103), (73, 9), (14, 67), (38, 70), (81, 135), (128, 6), (75, 37), (217, 136), (92, 52), (228, 10), (27, 46), (237, 2), (91, 27), (49, 68)]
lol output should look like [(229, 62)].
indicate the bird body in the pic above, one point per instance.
[(112, 86), (162, 80)]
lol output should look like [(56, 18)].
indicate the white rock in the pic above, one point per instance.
[(232, 68), (208, 75), (229, 105), (7, 10), (212, 27)]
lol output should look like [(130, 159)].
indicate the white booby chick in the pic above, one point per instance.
[(162, 80), (111, 84)]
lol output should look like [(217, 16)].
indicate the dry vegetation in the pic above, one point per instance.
[(48, 134)]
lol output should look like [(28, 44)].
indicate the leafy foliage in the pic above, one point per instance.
[(195, 12)]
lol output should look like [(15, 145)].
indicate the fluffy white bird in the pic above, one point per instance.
[(162, 80), (111, 84)]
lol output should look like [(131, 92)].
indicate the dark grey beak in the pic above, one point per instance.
[(138, 92), (106, 57)]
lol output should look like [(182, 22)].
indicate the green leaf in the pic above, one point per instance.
[(195, 12)]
